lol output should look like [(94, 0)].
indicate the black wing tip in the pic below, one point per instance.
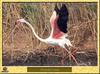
[(64, 9), (63, 18), (63, 5), (56, 9)]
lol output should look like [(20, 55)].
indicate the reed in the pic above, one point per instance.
[(82, 28)]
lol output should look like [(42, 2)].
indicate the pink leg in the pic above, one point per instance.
[(76, 49), (70, 55)]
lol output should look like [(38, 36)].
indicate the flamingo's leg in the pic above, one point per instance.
[(76, 49), (70, 54)]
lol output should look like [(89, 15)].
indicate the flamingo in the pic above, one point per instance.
[(58, 34)]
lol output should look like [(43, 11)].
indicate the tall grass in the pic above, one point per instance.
[(82, 26)]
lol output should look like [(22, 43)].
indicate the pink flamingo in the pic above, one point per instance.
[(58, 34)]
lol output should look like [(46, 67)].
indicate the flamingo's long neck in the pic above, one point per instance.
[(43, 40)]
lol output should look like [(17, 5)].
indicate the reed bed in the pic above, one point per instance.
[(19, 44)]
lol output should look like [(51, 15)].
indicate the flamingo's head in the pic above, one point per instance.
[(21, 20)]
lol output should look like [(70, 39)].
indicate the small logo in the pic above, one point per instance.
[(4, 69)]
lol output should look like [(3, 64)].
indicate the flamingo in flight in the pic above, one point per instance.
[(58, 34)]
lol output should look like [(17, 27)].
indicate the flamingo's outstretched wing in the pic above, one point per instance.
[(63, 18), (58, 21)]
